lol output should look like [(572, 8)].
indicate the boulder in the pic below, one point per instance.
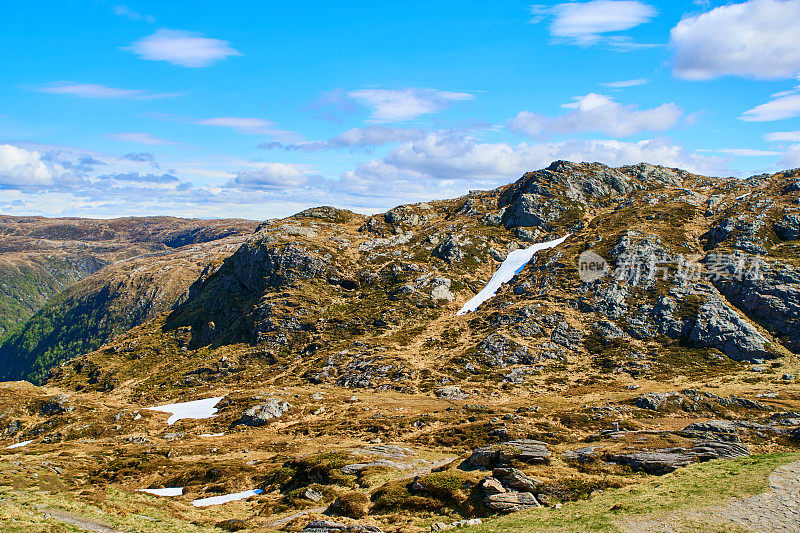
[(491, 486), (713, 430), (515, 479), (668, 460), (526, 451), (511, 502), (264, 413), (655, 401), (450, 393), (56, 406), (441, 289)]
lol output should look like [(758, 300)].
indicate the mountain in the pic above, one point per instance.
[(656, 327), (58, 265)]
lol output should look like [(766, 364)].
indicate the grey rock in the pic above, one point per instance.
[(324, 526), (510, 502), (516, 479), (264, 413), (788, 228), (441, 289), (299, 231), (56, 406), (450, 393), (718, 326), (313, 495), (713, 429), (408, 215), (498, 351), (566, 336), (772, 300), (450, 249), (526, 451), (609, 330), (581, 455), (668, 460), (491, 486), (658, 400)]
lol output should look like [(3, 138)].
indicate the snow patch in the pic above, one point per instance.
[(171, 491), (219, 500), (513, 265), (196, 409), (19, 445)]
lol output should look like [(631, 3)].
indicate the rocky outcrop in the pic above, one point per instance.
[(664, 461), (331, 526), (451, 248), (526, 451), (511, 502), (788, 227), (258, 265), (771, 299), (499, 351), (263, 414)]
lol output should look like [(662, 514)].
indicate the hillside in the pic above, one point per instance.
[(660, 333), (41, 257)]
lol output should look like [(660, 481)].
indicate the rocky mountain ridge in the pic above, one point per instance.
[(349, 385)]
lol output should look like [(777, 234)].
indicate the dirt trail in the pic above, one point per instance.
[(777, 509)]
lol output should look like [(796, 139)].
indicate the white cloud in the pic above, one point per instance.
[(791, 159), (584, 23), (250, 126), (354, 138), (596, 112), (778, 109), (743, 152), (93, 90), (443, 163), (22, 168), (625, 83), (405, 104), (125, 11), (755, 39), (786, 136), (182, 48), (139, 138), (271, 176)]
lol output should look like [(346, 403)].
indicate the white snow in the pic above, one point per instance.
[(19, 445), (207, 435), (219, 500), (171, 491), (196, 409), (513, 265)]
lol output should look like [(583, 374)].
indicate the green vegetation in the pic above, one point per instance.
[(67, 326), (25, 287), (695, 486)]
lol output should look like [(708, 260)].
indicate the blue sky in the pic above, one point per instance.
[(259, 110)]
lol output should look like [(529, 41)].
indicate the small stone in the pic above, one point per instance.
[(313, 495)]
